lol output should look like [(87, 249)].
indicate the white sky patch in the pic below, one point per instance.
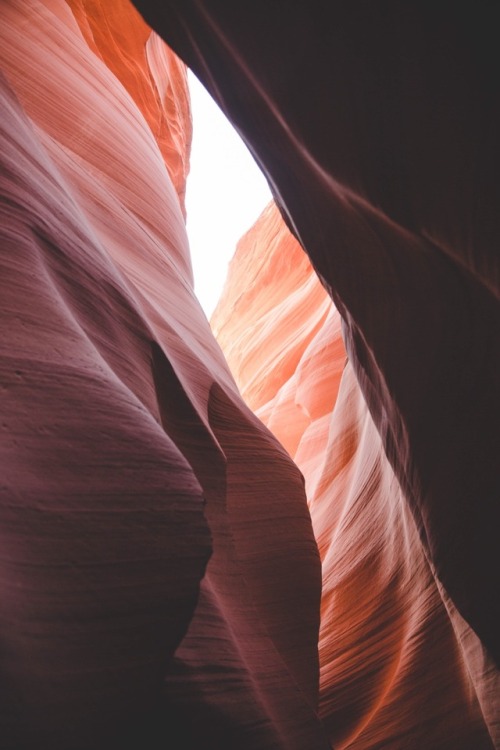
[(226, 192)]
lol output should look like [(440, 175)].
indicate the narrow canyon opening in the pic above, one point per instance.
[(277, 531), (225, 193)]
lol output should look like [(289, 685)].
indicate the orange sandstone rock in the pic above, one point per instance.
[(376, 126), (265, 327), (392, 670), (128, 456), (151, 73)]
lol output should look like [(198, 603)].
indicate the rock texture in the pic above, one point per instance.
[(160, 578), (377, 128), (271, 309), (148, 573), (392, 671)]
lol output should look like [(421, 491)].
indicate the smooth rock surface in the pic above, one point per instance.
[(128, 457), (377, 126), (392, 670), (160, 578)]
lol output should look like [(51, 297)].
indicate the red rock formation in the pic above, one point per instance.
[(127, 453), (264, 326), (377, 128), (153, 76), (392, 672)]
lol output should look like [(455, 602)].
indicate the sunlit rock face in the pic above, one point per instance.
[(160, 579), (392, 671), (377, 126), (271, 309)]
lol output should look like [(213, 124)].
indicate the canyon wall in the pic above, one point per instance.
[(160, 579), (376, 127), (161, 571), (393, 674)]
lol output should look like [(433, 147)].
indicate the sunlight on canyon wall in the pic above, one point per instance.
[(392, 673), (129, 457), (165, 580)]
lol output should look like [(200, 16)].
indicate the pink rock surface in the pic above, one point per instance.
[(160, 578), (150, 72), (271, 309), (392, 671), (377, 128), (127, 453)]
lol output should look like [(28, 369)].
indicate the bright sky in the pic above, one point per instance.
[(226, 192)]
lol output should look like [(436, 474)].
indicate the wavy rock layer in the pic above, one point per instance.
[(271, 308), (392, 671), (377, 128), (128, 455)]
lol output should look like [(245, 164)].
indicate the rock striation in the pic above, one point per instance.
[(377, 129), (161, 571), (392, 670), (148, 576)]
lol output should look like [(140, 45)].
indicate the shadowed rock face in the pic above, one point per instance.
[(376, 127), (160, 577), (392, 670)]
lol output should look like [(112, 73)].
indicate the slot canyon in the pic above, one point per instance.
[(276, 531)]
